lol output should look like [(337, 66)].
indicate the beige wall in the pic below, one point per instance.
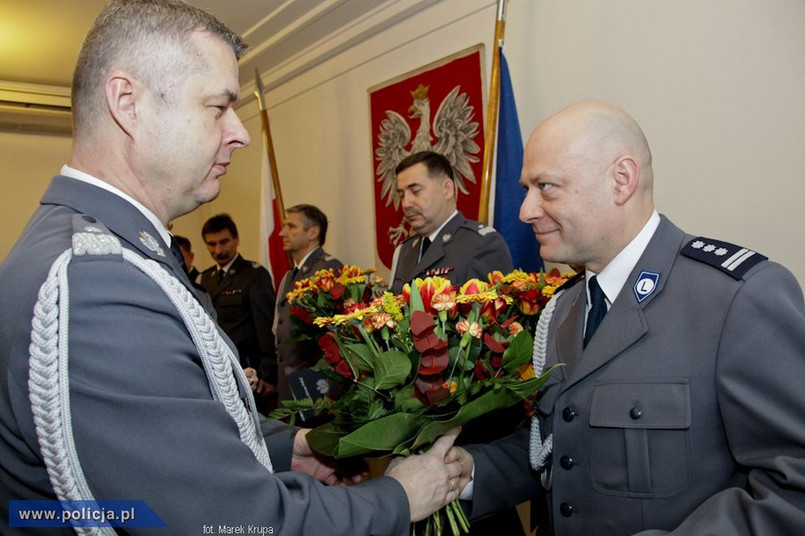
[(718, 87)]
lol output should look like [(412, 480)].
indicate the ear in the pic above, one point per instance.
[(449, 188), (626, 177), (122, 98), (313, 233)]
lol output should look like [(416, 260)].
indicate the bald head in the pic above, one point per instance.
[(597, 131), (588, 173)]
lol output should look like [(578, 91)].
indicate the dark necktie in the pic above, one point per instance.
[(598, 309), (425, 246), (221, 275), (178, 254)]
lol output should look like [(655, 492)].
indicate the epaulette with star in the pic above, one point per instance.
[(480, 228), (733, 260)]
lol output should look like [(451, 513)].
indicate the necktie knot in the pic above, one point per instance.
[(598, 308), (221, 275)]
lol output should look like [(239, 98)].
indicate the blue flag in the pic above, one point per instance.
[(508, 193)]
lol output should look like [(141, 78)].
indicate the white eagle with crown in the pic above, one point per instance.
[(455, 133)]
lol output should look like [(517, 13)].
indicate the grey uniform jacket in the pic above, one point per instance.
[(292, 356), (685, 412), (144, 422), (464, 249), (244, 301)]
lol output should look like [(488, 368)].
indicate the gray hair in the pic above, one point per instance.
[(142, 37)]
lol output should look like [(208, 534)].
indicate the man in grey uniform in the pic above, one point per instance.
[(115, 384), (680, 407), (303, 235), (243, 296), (446, 243)]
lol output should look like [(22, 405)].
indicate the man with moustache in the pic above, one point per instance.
[(243, 296), (679, 409), (445, 243)]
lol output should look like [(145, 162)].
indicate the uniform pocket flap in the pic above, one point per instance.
[(652, 403)]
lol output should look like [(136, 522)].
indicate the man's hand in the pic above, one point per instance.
[(465, 461), (327, 470), (433, 479)]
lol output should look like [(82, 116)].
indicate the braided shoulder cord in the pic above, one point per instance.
[(49, 382), (539, 450)]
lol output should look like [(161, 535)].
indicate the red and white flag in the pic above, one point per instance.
[(272, 254)]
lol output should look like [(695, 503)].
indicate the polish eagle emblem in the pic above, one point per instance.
[(454, 130)]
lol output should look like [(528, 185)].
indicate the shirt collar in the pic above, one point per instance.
[(304, 259), (73, 173), (614, 275), (434, 234), (228, 265)]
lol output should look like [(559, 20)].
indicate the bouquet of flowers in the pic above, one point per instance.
[(420, 363), (325, 294)]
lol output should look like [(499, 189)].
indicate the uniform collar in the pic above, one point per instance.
[(614, 275), (306, 257), (435, 233), (73, 173)]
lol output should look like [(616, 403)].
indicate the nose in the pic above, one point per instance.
[(238, 135), (405, 200), (531, 207)]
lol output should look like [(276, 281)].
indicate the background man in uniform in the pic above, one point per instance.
[(243, 296), (445, 243), (303, 236), (680, 408), (159, 410), (186, 247), (449, 245)]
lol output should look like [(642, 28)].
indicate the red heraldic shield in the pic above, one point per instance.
[(438, 107)]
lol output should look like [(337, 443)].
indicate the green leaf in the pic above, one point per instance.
[(391, 369), (324, 439), (416, 299), (519, 351), (508, 394), (379, 436), (360, 355)]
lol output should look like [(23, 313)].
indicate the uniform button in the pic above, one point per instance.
[(566, 509), (568, 414), (566, 462), (636, 412)]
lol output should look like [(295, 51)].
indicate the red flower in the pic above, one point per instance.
[(432, 388), (342, 369), (302, 314), (481, 372), (330, 349), (337, 291), (493, 345)]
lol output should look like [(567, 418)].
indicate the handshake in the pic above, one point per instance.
[(431, 480)]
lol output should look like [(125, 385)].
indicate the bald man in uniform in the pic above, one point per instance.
[(679, 408)]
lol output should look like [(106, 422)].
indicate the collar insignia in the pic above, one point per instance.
[(446, 237), (151, 243), (645, 286)]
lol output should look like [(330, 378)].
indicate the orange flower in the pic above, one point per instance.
[(438, 294)]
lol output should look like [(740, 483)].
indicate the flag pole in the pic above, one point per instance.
[(272, 160), (492, 113)]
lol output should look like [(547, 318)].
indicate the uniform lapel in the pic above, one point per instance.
[(436, 250), (625, 323)]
